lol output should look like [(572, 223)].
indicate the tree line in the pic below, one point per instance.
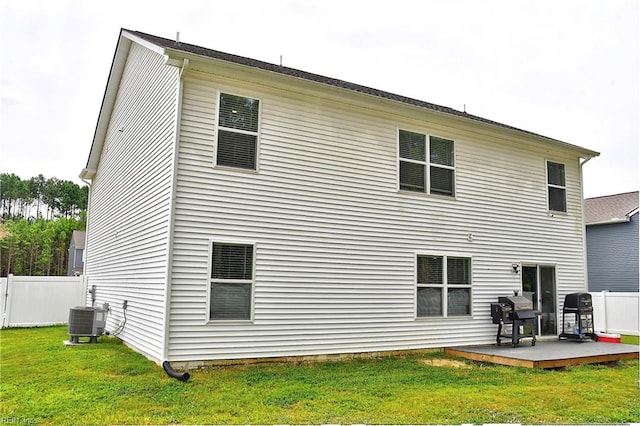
[(37, 247), (40, 197), (37, 218)]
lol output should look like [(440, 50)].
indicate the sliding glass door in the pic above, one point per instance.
[(539, 286)]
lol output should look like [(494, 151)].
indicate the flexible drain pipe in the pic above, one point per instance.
[(183, 377)]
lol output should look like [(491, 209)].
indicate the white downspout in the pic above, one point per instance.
[(85, 253), (174, 178), (584, 227)]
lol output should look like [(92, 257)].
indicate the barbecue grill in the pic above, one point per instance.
[(579, 325), (517, 311)]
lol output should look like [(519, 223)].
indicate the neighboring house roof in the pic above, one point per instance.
[(610, 208), (168, 46), (77, 239)]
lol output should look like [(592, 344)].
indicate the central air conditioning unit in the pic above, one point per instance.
[(86, 321)]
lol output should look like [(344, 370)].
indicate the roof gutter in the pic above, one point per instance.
[(610, 222), (87, 174), (591, 155)]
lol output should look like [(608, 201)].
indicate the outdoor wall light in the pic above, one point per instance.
[(515, 267)]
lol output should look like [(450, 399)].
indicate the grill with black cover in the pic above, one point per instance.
[(579, 324), (519, 313)]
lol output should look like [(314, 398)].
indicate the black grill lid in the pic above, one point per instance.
[(578, 300), (516, 303)]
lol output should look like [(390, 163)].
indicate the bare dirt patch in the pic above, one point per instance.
[(445, 363)]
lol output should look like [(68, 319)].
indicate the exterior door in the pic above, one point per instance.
[(539, 285)]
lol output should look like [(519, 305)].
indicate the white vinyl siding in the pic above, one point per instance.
[(338, 242), (131, 200)]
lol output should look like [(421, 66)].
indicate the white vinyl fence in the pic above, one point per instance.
[(615, 312), (37, 301)]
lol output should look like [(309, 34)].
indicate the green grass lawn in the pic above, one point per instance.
[(44, 382)]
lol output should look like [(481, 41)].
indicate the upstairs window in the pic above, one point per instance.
[(433, 173), (238, 119), (556, 187), (443, 286), (231, 281)]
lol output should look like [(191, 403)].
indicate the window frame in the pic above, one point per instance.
[(218, 127), (555, 186), (444, 286), (78, 255), (426, 163), (211, 281)]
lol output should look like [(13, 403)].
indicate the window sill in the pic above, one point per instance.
[(229, 322), (235, 169), (553, 213), (425, 195), (449, 318)]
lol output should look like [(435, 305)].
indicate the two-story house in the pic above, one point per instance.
[(249, 210)]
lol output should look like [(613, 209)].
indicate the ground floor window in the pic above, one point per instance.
[(231, 281), (443, 286)]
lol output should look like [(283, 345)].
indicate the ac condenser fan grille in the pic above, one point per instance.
[(81, 321)]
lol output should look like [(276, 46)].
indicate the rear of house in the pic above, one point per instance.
[(290, 214)]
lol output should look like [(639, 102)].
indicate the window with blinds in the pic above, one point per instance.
[(443, 286), (556, 187), (231, 281), (433, 173), (238, 122)]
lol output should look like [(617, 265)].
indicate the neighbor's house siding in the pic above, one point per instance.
[(612, 256), (75, 263), (336, 242), (131, 201)]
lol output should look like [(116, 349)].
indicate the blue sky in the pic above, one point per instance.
[(567, 70)]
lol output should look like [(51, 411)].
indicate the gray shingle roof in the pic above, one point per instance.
[(214, 54), (610, 208), (78, 238)]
